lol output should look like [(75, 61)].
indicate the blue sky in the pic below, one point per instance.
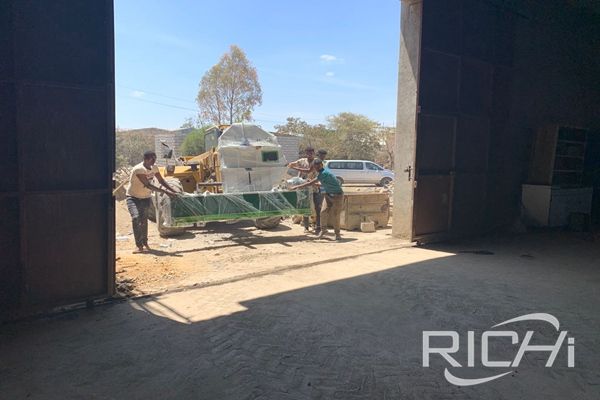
[(314, 58)]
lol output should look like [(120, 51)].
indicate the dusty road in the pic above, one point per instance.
[(222, 252)]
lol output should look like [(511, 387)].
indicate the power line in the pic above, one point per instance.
[(188, 101), (161, 104), (158, 94)]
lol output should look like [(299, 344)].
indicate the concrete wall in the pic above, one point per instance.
[(290, 147), (173, 139)]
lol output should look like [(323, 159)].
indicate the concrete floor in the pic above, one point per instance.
[(351, 329)]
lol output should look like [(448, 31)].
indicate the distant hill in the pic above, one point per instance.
[(130, 144), (143, 131)]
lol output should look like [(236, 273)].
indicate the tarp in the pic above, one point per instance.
[(185, 211)]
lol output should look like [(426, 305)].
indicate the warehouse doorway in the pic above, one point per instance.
[(478, 82)]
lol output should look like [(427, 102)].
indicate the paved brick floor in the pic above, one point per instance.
[(345, 330)]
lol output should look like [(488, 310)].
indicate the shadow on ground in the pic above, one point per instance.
[(354, 338)]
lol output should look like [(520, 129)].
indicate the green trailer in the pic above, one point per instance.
[(195, 210)]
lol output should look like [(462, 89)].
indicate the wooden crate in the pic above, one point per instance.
[(365, 206)]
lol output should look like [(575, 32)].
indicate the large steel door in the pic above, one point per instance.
[(455, 61), (57, 116)]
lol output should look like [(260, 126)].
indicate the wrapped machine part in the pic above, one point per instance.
[(252, 166), (251, 159), (188, 210)]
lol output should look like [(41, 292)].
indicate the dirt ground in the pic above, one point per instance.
[(223, 251), (347, 327)]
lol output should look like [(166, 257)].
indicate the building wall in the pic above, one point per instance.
[(57, 134), (173, 139), (290, 147)]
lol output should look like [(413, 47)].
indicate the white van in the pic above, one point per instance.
[(360, 171)]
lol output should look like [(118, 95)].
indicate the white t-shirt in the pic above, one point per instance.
[(136, 188), (304, 163)]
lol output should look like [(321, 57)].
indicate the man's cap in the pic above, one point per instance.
[(317, 161), (322, 151)]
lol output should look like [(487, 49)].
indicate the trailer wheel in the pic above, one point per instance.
[(267, 223), (158, 198), (164, 231)]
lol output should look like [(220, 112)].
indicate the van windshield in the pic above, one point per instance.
[(374, 167)]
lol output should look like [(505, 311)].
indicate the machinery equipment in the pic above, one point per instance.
[(241, 175)]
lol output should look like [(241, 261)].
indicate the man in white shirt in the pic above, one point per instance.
[(303, 166), (307, 171), (139, 193)]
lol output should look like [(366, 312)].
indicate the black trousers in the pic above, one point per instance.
[(138, 209)]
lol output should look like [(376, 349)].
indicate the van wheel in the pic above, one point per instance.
[(340, 180), (385, 182)]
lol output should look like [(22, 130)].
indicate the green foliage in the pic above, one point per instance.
[(387, 138), (130, 147), (193, 144), (230, 90), (188, 123), (316, 136), (357, 136), (346, 136)]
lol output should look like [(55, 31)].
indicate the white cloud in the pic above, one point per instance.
[(328, 58), (137, 93), (329, 74)]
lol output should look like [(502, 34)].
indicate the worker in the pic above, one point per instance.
[(318, 199), (332, 199), (317, 190), (139, 193), (303, 166)]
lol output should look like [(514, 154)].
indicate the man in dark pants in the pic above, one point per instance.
[(333, 198), (317, 191), (304, 168), (139, 197)]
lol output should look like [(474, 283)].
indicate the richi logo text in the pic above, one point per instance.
[(486, 337)]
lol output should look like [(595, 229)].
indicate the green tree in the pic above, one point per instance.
[(387, 138), (230, 90), (356, 136), (188, 123), (193, 144), (316, 136), (293, 126)]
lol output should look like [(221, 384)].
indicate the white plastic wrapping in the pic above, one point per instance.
[(244, 180), (251, 159), (189, 209)]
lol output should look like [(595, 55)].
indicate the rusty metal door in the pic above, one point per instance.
[(57, 116), (455, 67)]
